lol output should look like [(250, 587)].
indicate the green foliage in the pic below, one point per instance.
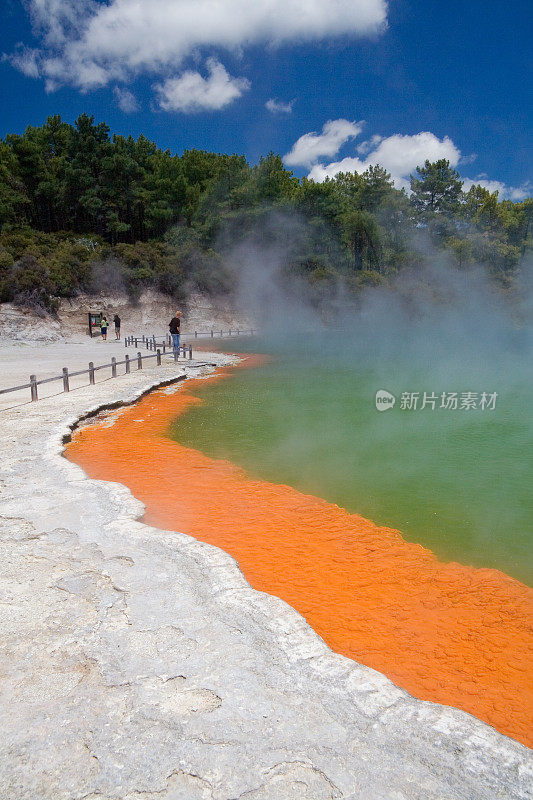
[(436, 189), (81, 210)]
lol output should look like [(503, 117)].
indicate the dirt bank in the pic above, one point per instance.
[(148, 316)]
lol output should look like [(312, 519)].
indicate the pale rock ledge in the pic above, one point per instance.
[(138, 664)]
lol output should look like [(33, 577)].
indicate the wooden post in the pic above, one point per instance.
[(190, 352), (158, 359), (33, 388), (230, 332), (176, 353), (91, 373), (212, 333), (113, 367), (139, 361), (221, 335), (143, 338), (196, 334), (66, 387), (127, 360)]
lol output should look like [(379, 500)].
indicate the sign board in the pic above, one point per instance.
[(94, 322)]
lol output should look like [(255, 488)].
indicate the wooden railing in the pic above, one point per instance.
[(152, 342), (186, 351)]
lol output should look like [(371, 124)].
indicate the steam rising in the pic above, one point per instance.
[(454, 480), (439, 318)]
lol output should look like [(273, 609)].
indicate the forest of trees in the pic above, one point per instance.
[(80, 209)]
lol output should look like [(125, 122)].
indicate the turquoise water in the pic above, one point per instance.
[(456, 481)]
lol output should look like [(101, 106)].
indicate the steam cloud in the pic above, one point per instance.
[(439, 329)]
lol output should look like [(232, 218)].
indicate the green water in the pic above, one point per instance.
[(458, 482)]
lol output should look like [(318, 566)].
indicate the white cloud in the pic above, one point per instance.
[(55, 20), (89, 43), (27, 61), (370, 144), (401, 155), (312, 146), (505, 192), (278, 107), (398, 154), (191, 92), (90, 74), (320, 172), (468, 159), (126, 100)]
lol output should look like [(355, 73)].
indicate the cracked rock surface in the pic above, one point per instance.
[(137, 664)]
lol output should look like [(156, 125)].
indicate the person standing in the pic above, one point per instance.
[(116, 320), (103, 328), (174, 328)]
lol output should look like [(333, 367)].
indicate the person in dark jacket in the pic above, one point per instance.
[(174, 328), (116, 320)]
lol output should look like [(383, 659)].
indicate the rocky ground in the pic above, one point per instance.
[(138, 664), (149, 315)]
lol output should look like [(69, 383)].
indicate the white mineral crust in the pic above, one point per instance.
[(139, 664)]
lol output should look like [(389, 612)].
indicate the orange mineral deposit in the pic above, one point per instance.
[(445, 632)]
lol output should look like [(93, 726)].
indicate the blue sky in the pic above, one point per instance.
[(196, 73)]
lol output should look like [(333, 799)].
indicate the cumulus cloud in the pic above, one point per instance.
[(90, 43), (125, 100), (312, 146), (191, 92), (398, 154), (278, 107), (505, 192)]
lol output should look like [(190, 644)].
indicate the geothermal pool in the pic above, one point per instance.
[(445, 632), (456, 481)]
